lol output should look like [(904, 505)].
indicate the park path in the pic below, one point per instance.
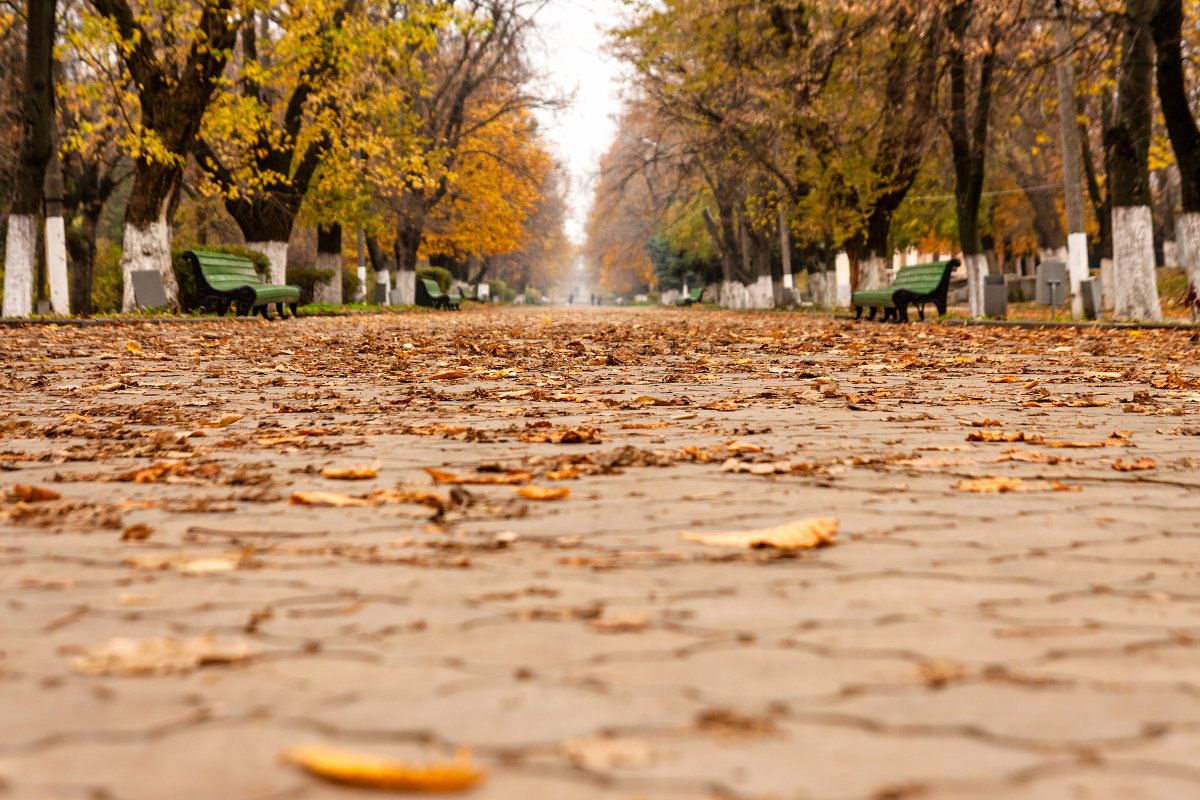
[(191, 585)]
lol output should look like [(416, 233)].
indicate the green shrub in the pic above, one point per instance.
[(532, 296), (497, 289), (307, 278), (108, 283), (440, 275), (350, 286)]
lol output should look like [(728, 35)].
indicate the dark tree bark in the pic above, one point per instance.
[(37, 140), (968, 126), (1167, 26), (1127, 141)]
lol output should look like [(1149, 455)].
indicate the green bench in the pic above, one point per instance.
[(692, 297), (223, 279), (915, 284), (431, 295)]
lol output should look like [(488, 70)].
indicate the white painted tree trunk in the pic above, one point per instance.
[(1059, 254), (872, 273), (329, 291), (761, 293), (56, 265), (1108, 285), (20, 244), (1189, 227), (148, 248), (1077, 269), (977, 270), (1136, 290), (277, 254), (383, 278), (406, 287)]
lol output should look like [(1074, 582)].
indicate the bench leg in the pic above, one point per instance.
[(281, 309), (243, 310), (871, 313), (221, 306), (264, 309), (858, 312), (901, 312), (941, 307), (293, 307)]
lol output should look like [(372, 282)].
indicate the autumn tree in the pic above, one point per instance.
[(479, 59), (1127, 148), (1176, 100), (34, 153), (174, 53)]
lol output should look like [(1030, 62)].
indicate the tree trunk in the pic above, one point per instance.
[(968, 142), (1077, 257), (81, 244), (276, 251), (409, 237), (1181, 125), (1127, 148), (329, 257), (37, 145)]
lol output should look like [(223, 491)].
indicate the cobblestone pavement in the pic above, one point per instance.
[(1038, 643)]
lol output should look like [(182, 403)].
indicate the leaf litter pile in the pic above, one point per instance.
[(524, 445)]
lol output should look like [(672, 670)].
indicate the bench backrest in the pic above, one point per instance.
[(225, 271), (922, 278), (431, 287)]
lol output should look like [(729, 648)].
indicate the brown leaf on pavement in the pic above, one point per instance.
[(801, 534), (350, 473), (1133, 466), (444, 476), (533, 492), (578, 435), (1003, 436), (33, 494), (632, 622), (991, 485), (377, 772), (162, 655), (335, 499)]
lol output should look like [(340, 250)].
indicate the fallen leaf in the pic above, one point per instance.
[(33, 494), (223, 421), (160, 655), (603, 752), (990, 485), (189, 563), (376, 772), (134, 348), (350, 473), (443, 476), (136, 533), (566, 474), (804, 533), (1133, 466), (633, 622), (736, 446), (448, 375), (533, 492), (327, 499), (1003, 436)]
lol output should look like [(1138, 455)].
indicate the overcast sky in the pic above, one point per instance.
[(571, 55)]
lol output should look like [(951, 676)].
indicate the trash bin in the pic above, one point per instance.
[(1052, 277), (995, 296)]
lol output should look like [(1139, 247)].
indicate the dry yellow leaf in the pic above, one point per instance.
[(160, 655), (563, 474), (351, 473), (222, 421), (990, 485), (134, 348), (804, 533), (1133, 466), (543, 492), (736, 446), (376, 772), (34, 494), (327, 499), (443, 476), (448, 375)]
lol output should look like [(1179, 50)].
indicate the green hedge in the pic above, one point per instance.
[(440, 275)]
